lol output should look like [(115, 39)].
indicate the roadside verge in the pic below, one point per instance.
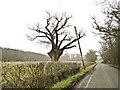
[(112, 65), (115, 66), (70, 82)]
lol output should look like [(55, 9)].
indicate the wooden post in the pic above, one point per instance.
[(79, 47)]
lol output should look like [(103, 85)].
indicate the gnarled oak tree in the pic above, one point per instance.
[(55, 33)]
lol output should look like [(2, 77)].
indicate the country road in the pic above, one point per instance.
[(103, 76)]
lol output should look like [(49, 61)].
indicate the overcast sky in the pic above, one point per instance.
[(15, 15)]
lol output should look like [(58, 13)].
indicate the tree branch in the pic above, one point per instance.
[(31, 39), (46, 27), (38, 30), (58, 22), (72, 42), (107, 29), (70, 47), (43, 41), (62, 40), (65, 22)]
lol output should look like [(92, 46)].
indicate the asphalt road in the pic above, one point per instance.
[(103, 76)]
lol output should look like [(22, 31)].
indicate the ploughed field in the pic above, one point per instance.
[(37, 74)]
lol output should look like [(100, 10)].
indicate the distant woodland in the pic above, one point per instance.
[(19, 55)]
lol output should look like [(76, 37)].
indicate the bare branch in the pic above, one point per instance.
[(38, 29), (58, 22), (63, 32), (70, 47), (65, 22), (44, 42), (72, 42), (31, 39), (62, 40), (48, 23), (107, 30)]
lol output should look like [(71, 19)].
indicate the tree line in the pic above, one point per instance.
[(109, 31), (19, 55)]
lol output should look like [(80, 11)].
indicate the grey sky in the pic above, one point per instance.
[(17, 14)]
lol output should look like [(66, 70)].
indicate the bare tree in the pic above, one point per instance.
[(55, 33), (111, 27)]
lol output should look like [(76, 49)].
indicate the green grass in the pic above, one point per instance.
[(67, 82)]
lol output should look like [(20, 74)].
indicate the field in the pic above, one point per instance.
[(37, 74)]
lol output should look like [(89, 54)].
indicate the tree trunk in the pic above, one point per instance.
[(55, 54)]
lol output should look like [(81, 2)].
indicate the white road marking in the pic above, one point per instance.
[(83, 80), (89, 81)]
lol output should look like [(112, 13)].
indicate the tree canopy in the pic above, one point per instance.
[(91, 56)]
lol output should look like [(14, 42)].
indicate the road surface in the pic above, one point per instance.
[(103, 76)]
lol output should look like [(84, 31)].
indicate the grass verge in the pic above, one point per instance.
[(67, 82), (115, 66)]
